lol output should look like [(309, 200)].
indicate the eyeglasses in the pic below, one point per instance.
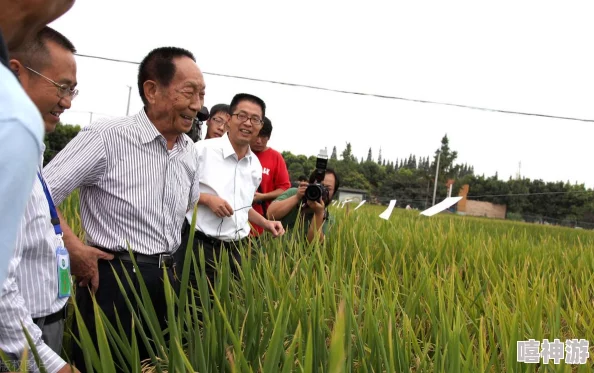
[(63, 89), (255, 120), (219, 121)]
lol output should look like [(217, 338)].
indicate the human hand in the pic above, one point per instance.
[(83, 261), (316, 206), (301, 190), (220, 207), (275, 227), (258, 197)]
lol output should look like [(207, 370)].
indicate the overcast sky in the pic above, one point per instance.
[(532, 57)]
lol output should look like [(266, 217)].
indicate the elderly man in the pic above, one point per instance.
[(138, 177), (21, 127), (35, 291)]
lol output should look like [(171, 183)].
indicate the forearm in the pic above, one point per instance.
[(272, 195), (71, 240), (279, 209), (315, 228), (255, 218), (12, 336), (205, 199)]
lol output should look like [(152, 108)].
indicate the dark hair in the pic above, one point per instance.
[(266, 130), (34, 53), (219, 108), (247, 97), (158, 66), (329, 170), (302, 178)]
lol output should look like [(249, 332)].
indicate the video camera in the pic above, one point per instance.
[(316, 190)]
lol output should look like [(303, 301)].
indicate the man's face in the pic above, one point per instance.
[(177, 105), (259, 143), (216, 125), (244, 132), (49, 99), (330, 183), (28, 17)]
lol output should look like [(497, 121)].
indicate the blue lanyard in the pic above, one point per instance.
[(53, 213)]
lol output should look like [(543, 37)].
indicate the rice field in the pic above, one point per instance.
[(412, 294)]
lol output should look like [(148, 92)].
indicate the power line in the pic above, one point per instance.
[(361, 93)]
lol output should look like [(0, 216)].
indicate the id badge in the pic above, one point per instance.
[(64, 279)]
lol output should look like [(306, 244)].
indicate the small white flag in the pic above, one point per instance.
[(441, 206), (386, 214), (359, 205)]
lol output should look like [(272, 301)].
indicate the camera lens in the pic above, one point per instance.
[(313, 192)]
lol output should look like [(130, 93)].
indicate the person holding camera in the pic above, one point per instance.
[(308, 203)]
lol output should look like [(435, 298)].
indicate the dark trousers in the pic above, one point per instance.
[(213, 250), (111, 300)]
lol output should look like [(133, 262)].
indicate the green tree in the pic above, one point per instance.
[(57, 140)]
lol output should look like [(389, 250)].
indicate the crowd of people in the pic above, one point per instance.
[(139, 177)]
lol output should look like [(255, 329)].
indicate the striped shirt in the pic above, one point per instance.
[(132, 188), (31, 289)]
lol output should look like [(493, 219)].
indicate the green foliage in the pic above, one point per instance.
[(57, 140), (440, 294)]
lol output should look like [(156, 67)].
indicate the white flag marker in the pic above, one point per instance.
[(359, 205), (441, 206), (386, 214)]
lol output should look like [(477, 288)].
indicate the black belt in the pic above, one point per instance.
[(156, 259), (214, 241), (54, 317)]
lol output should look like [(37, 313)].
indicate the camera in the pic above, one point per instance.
[(316, 191), (196, 132)]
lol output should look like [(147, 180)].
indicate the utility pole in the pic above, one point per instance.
[(91, 118), (436, 175), (129, 93)]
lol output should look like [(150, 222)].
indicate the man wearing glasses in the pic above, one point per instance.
[(38, 284), (229, 176), (216, 125)]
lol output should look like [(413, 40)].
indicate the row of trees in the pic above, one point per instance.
[(410, 181)]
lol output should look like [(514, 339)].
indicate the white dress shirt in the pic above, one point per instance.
[(31, 288), (234, 180), (132, 188)]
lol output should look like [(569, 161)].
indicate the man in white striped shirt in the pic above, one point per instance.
[(33, 292), (138, 176)]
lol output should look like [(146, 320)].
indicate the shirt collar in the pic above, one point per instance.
[(228, 150), (148, 131)]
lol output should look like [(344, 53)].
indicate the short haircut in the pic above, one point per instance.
[(158, 66), (266, 130), (220, 108), (247, 97), (35, 54), (312, 178)]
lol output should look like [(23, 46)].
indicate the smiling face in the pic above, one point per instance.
[(59, 67), (242, 133), (174, 107), (216, 125)]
